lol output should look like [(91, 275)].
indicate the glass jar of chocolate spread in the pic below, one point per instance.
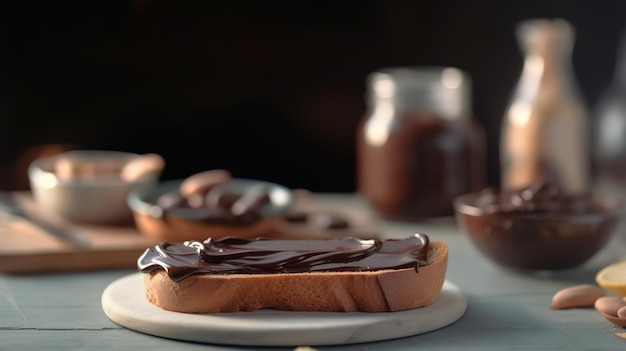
[(419, 146)]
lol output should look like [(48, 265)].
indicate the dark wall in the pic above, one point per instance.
[(270, 90)]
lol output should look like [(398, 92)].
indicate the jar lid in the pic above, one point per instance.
[(446, 90)]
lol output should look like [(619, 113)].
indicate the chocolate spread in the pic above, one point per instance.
[(216, 205), (541, 196), (232, 255)]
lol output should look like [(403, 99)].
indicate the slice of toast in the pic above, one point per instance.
[(369, 291)]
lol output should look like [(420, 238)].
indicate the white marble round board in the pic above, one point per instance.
[(124, 302)]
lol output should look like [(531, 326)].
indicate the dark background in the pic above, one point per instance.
[(267, 89)]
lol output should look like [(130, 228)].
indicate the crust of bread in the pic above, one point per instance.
[(376, 291)]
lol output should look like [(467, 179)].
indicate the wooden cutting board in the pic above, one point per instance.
[(25, 248)]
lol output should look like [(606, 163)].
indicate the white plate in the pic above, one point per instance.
[(124, 302)]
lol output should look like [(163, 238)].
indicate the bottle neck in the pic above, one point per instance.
[(548, 69), (547, 46), (545, 37)]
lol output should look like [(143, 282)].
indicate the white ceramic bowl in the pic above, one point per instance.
[(95, 199)]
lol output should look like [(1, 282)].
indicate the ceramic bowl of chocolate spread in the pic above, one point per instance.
[(538, 227), (237, 207)]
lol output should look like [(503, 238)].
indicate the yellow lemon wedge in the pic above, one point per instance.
[(613, 278)]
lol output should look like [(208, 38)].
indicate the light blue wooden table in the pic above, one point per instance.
[(506, 310)]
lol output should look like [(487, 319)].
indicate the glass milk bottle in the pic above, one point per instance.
[(545, 130)]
